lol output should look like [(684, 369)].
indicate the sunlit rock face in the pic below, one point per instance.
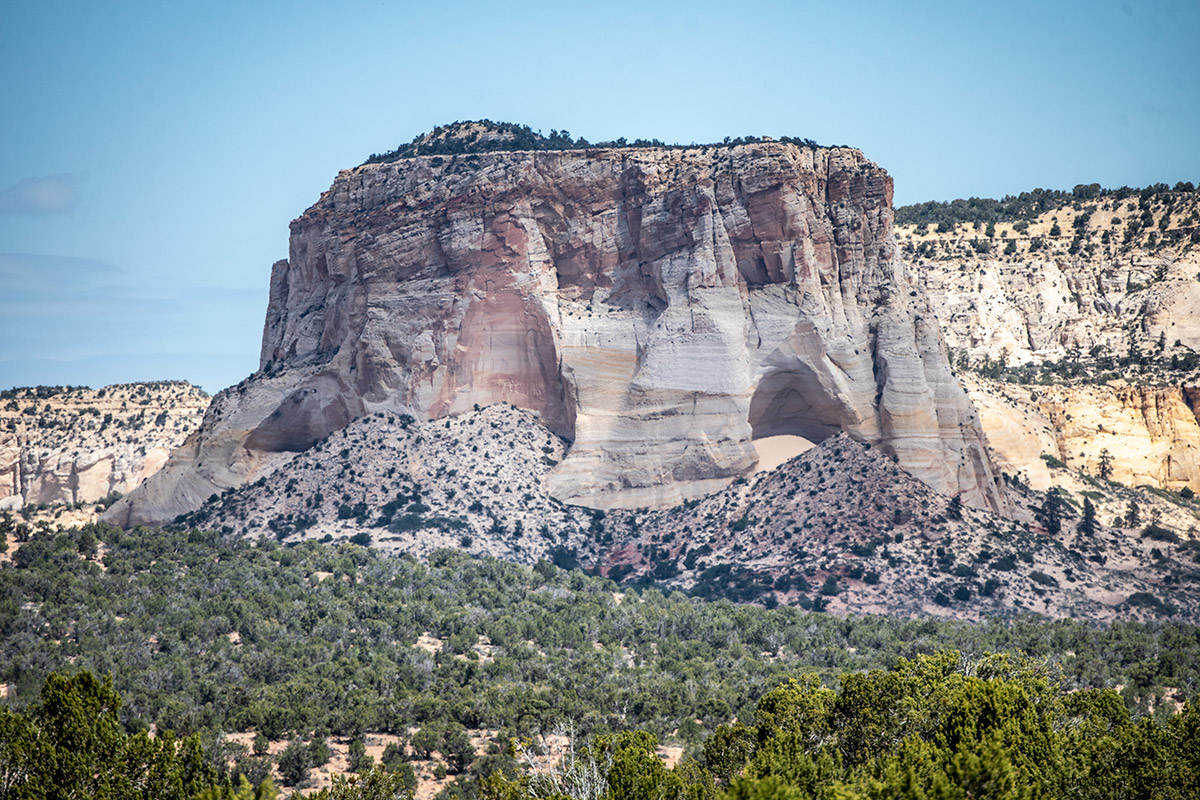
[(659, 308), (1151, 434)]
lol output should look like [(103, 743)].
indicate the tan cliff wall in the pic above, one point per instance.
[(1041, 301), (1151, 433), (80, 445), (659, 308)]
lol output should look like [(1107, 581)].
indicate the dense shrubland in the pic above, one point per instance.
[(71, 743), (205, 634), (935, 727)]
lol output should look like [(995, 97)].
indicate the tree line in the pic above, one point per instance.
[(456, 139), (1026, 206)]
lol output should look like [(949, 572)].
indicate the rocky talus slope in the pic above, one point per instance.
[(840, 527), (1090, 315), (658, 308), (79, 445)]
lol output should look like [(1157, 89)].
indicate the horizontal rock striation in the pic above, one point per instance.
[(658, 308)]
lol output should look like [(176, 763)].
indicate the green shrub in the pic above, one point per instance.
[(1147, 600), (1037, 576), (1158, 533), (1053, 462), (294, 763)]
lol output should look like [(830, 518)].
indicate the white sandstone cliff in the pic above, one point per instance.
[(80, 445), (659, 308), (1121, 274)]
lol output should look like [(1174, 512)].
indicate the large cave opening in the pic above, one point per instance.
[(791, 412)]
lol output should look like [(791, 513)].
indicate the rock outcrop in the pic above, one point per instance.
[(1151, 434), (1093, 289), (79, 445), (1095, 307), (659, 308)]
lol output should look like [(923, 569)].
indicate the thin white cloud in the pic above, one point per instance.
[(42, 194), (56, 275)]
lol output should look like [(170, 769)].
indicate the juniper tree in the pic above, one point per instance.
[(1087, 525), (1051, 512)]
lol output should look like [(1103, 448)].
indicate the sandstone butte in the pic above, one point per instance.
[(659, 308)]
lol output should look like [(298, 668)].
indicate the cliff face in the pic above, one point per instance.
[(658, 308), (80, 445), (1116, 314), (1151, 433), (1025, 295)]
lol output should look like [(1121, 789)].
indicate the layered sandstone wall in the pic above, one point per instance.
[(1023, 295), (1118, 276), (81, 445), (659, 308), (1150, 433)]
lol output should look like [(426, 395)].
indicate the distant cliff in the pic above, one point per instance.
[(79, 445), (1089, 310), (1151, 435), (1084, 282), (659, 308)]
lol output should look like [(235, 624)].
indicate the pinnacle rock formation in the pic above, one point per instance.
[(659, 308)]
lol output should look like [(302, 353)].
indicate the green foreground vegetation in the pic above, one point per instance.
[(71, 744), (936, 727), (205, 635)]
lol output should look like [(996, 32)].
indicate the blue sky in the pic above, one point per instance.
[(152, 153)]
